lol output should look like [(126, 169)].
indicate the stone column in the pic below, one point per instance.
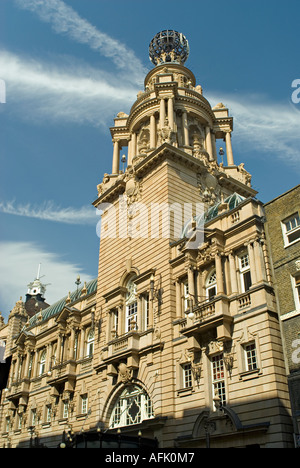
[(162, 113), (214, 146), (133, 146), (191, 283), (27, 362), (129, 159), (219, 274), (229, 153), (48, 357), (116, 157), (209, 147), (58, 350), (258, 257), (185, 130), (152, 131), (201, 286), (171, 113), (252, 264), (82, 342), (178, 299), (18, 367), (233, 276), (72, 343)]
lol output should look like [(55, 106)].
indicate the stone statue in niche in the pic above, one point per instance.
[(167, 135), (144, 141), (198, 149)]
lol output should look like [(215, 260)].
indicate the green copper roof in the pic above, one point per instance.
[(58, 306), (233, 201)]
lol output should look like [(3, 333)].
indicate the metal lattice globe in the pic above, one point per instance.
[(168, 46)]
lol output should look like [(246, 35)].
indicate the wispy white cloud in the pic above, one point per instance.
[(65, 20), (19, 263), (57, 92), (48, 211), (264, 126)]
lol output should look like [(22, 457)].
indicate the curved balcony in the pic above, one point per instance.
[(18, 389), (208, 315), (129, 346), (63, 372)]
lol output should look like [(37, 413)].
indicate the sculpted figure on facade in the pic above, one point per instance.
[(125, 374)]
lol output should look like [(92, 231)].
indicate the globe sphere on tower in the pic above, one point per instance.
[(168, 46)]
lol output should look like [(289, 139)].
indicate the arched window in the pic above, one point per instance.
[(132, 407), (42, 362), (211, 285), (131, 307), (90, 343)]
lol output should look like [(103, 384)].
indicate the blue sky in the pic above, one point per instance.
[(70, 66)]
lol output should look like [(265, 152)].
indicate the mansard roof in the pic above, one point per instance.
[(232, 202), (58, 306)]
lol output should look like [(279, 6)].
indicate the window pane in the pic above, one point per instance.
[(218, 367), (251, 357), (212, 278), (133, 406), (211, 293), (244, 259), (294, 236), (292, 223), (247, 280), (187, 376), (132, 316), (219, 389)]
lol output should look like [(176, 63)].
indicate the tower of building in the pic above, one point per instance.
[(184, 292), (178, 339)]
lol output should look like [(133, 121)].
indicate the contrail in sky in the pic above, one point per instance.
[(65, 20)]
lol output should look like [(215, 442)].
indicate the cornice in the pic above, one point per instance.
[(110, 194)]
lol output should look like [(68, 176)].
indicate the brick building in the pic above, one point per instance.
[(283, 234)]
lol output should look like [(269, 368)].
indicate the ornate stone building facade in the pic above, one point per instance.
[(178, 340)]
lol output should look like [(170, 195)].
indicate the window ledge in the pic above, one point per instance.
[(288, 244), (45, 425), (81, 416), (182, 392), (288, 315), (253, 374)]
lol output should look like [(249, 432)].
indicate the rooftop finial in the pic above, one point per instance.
[(168, 46)]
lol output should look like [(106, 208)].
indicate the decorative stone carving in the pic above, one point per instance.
[(198, 149), (125, 374), (167, 135), (144, 141), (104, 185), (209, 188), (133, 187), (245, 174)]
